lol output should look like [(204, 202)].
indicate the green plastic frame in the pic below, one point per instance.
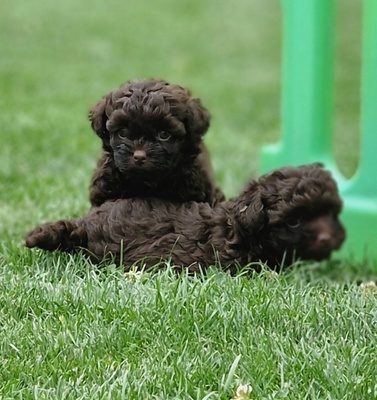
[(307, 108)]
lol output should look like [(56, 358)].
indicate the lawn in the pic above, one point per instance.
[(73, 331)]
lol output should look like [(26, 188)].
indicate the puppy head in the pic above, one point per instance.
[(298, 214), (150, 125)]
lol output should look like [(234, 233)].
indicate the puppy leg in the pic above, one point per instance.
[(105, 184), (63, 235), (218, 197)]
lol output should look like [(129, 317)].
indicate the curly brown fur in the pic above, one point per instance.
[(152, 145), (287, 214)]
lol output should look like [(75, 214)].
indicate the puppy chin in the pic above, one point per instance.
[(316, 254), (321, 250), (150, 166), (146, 171), (135, 170)]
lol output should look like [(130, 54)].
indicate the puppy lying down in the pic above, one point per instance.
[(291, 213)]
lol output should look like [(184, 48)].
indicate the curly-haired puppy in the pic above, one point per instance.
[(291, 213), (152, 145)]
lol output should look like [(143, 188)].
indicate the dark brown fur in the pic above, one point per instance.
[(152, 145), (290, 213)]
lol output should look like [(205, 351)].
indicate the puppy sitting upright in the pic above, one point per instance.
[(287, 214), (152, 145)]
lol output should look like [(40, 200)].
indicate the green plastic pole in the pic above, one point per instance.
[(307, 108), (365, 181), (360, 194), (307, 88)]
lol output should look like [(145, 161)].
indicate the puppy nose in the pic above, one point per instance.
[(324, 238), (139, 157)]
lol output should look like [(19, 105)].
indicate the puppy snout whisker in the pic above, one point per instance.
[(140, 157)]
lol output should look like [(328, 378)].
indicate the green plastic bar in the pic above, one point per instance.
[(307, 87), (360, 194), (365, 181), (307, 108)]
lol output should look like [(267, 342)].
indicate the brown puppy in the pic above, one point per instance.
[(152, 145), (291, 213)]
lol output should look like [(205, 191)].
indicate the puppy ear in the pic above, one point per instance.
[(198, 119), (98, 119), (249, 209)]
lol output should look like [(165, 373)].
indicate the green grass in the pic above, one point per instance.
[(72, 331)]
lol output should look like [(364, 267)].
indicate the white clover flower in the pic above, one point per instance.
[(242, 392), (371, 285), (369, 288), (133, 274)]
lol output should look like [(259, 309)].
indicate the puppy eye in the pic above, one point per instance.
[(122, 134), (293, 222), (163, 136)]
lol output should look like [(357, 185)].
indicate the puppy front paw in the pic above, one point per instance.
[(51, 236)]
